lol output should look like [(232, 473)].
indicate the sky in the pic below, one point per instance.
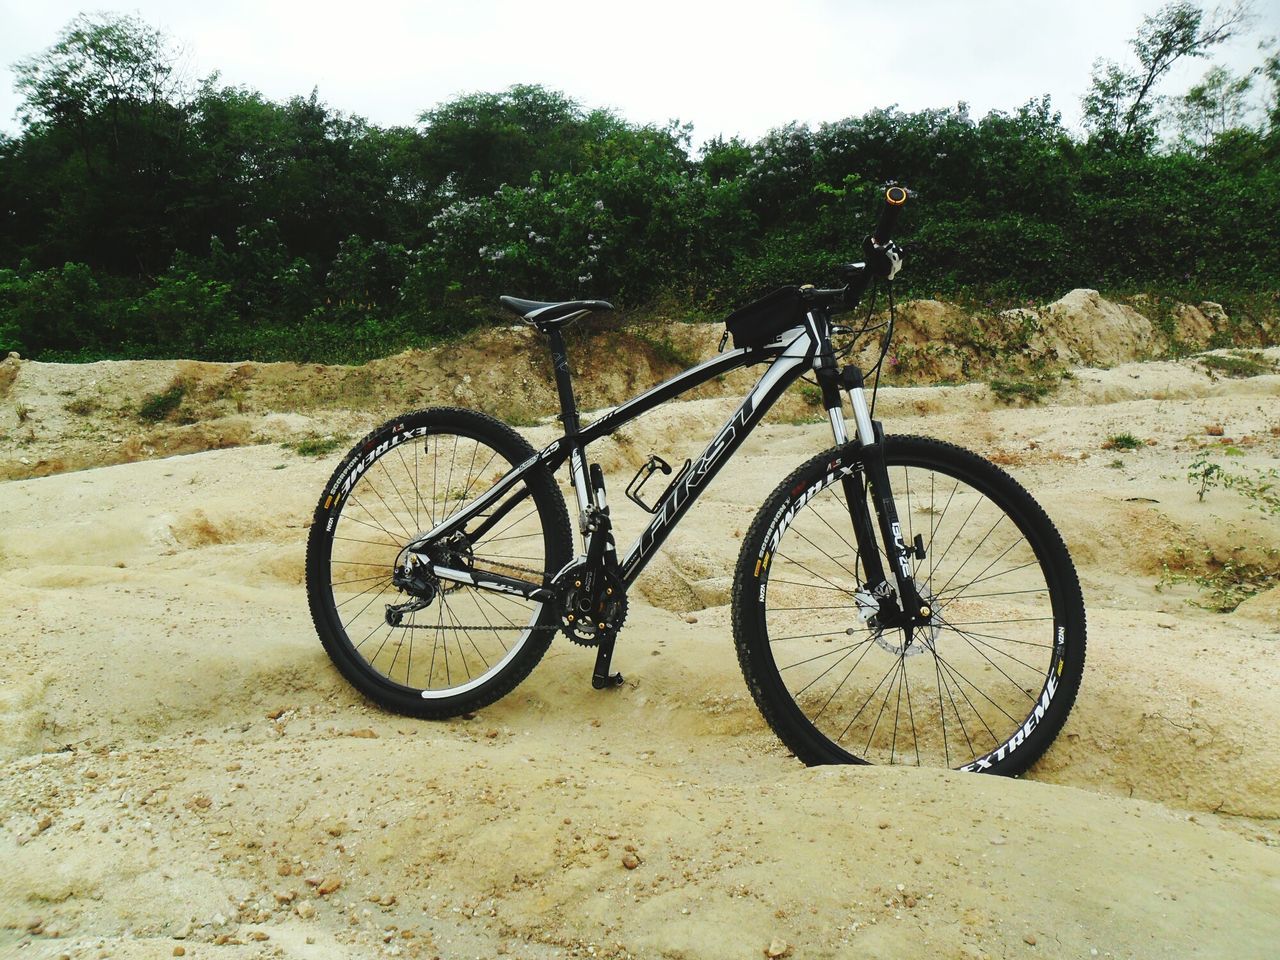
[(727, 67)]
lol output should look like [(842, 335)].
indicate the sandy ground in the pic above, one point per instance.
[(183, 769)]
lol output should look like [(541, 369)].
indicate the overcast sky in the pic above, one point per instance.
[(728, 67)]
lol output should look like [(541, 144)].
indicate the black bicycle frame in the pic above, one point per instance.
[(788, 357)]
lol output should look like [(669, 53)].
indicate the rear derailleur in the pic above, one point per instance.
[(412, 575)]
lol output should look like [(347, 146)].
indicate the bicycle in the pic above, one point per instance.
[(896, 599)]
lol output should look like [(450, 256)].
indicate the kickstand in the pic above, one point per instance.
[(601, 678)]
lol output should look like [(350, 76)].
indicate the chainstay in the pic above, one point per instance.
[(483, 628), (488, 626)]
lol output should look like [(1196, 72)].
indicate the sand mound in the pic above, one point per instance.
[(182, 765)]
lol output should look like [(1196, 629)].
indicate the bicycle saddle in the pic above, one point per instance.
[(548, 315)]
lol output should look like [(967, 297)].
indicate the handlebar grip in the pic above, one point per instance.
[(895, 198)]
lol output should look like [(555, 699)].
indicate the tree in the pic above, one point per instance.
[(103, 65), (105, 111), (1120, 105), (1213, 106)]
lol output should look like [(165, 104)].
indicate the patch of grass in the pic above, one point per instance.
[(23, 412), (1226, 582), (161, 406), (515, 414), (1239, 364), (1260, 487), (315, 446), (83, 406), (1116, 464), (811, 394), (1123, 441), (667, 350), (1026, 391)]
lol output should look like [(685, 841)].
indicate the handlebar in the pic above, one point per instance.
[(895, 198)]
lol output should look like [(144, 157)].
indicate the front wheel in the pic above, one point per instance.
[(986, 685)]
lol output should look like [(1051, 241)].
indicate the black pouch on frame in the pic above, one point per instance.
[(761, 321)]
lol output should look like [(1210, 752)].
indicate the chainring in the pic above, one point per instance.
[(581, 620)]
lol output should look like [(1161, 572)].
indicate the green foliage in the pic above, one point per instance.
[(161, 406), (317, 446), (1031, 390), (667, 350), (1227, 581), (149, 216), (1123, 441), (1240, 364), (1259, 486)]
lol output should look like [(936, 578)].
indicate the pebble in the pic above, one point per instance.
[(306, 910), (179, 951), (630, 861), (328, 886), (1030, 939), (364, 733), (777, 948), (691, 619)]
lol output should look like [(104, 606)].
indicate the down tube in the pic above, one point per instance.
[(781, 374)]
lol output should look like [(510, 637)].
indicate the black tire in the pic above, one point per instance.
[(988, 684), (377, 499)]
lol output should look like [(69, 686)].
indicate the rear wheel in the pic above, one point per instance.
[(985, 686), (465, 647)]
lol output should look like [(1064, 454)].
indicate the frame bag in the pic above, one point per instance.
[(762, 321)]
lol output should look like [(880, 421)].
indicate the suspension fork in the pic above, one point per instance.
[(872, 472)]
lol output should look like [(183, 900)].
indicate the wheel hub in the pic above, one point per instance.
[(911, 641)]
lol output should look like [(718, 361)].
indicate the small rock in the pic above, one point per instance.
[(277, 713), (284, 870), (35, 923), (179, 951), (630, 861), (44, 824), (910, 902), (1029, 939), (777, 948), (364, 734), (328, 886), (305, 910), (491, 734), (997, 841), (259, 935), (883, 824), (1214, 429), (285, 896), (690, 619)]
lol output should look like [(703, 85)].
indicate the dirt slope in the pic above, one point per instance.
[(182, 767)]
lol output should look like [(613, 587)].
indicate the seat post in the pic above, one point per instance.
[(564, 383)]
